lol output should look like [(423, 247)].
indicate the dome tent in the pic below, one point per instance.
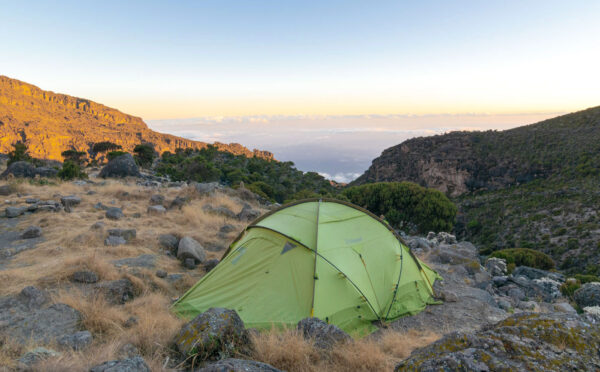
[(324, 258)]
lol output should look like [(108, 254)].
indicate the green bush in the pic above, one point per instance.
[(105, 146), (568, 288), (583, 278), (19, 153), (71, 170), (114, 154), (73, 155), (525, 257), (404, 204), (144, 155)]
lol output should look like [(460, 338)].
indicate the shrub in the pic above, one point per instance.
[(568, 288), (525, 257), (105, 146), (74, 156), (71, 170), (404, 204), (114, 154), (583, 278), (19, 153), (144, 155)]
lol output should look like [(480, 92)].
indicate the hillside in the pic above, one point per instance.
[(534, 186), (50, 123)]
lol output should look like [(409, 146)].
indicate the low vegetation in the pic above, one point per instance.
[(525, 257)]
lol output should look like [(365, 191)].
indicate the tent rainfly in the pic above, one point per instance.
[(323, 258)]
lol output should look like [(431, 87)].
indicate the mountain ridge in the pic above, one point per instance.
[(50, 123)]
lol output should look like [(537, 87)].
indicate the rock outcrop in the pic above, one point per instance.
[(50, 123)]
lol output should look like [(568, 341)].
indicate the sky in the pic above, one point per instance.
[(233, 61)]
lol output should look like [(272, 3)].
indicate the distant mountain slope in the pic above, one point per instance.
[(459, 162), (536, 186), (50, 123)]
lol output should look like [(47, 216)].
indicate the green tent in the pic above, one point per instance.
[(323, 258)]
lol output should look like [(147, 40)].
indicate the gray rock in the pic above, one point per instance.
[(114, 213), (504, 304), (135, 364), (189, 263), (190, 248), (119, 167), (144, 260), (70, 201), (12, 212), (157, 199), (156, 210), (227, 228), (117, 291), (215, 334), (37, 355), (325, 336), (528, 305), (20, 169), (161, 274), (588, 295), (133, 320), (6, 190), (248, 214), (516, 294), (32, 200), (496, 266), (221, 210), (172, 278), (98, 225), (76, 341), (129, 351), (33, 297), (101, 206), (31, 232), (533, 273), (499, 281), (208, 187), (238, 365), (210, 264), (113, 241), (178, 202), (46, 172), (84, 276), (564, 307), (127, 234), (169, 241), (523, 342)]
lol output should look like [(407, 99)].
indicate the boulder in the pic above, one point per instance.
[(46, 172), (98, 225), (161, 274), (84, 276), (238, 365), (70, 201), (496, 266), (157, 199), (522, 342), (31, 232), (99, 206), (190, 248), (32, 200), (156, 210), (533, 273), (178, 202), (221, 210), (248, 214), (76, 341), (207, 187), (210, 264), (113, 241), (144, 260), (169, 241), (226, 229), (32, 297), (20, 169), (121, 166), (12, 212), (214, 334), (114, 213), (127, 234), (6, 190), (116, 291), (324, 335), (135, 364), (588, 295), (189, 263), (564, 307), (36, 355)]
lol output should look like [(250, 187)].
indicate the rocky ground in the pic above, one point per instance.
[(90, 268)]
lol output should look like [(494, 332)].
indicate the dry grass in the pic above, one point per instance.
[(289, 351)]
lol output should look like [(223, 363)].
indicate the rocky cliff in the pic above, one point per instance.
[(459, 162), (50, 123)]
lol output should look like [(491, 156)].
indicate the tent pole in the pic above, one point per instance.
[(312, 304)]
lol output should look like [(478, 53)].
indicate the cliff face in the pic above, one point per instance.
[(50, 123), (459, 162)]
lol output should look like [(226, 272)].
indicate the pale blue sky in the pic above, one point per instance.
[(177, 59)]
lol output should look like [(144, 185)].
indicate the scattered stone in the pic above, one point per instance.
[(116, 291), (76, 341), (130, 322), (496, 266), (84, 276), (190, 248), (156, 210), (32, 200), (46, 172), (528, 305), (114, 213), (588, 295), (161, 274), (215, 334), (31, 232), (172, 278), (114, 241), (127, 234), (37, 355), (238, 365), (221, 210), (99, 205), (210, 264), (157, 199), (189, 263), (6, 190), (227, 228), (516, 294), (564, 307), (135, 364), (144, 260), (324, 335), (504, 304), (70, 201), (129, 351), (136, 215), (33, 297), (121, 166), (12, 212), (499, 281), (169, 241), (533, 273), (98, 225), (178, 202), (207, 187), (248, 214)]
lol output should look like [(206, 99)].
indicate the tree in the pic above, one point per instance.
[(115, 154), (74, 156), (144, 154), (70, 170), (102, 147), (19, 153)]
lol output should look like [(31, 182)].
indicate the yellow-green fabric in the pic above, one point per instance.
[(321, 258)]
